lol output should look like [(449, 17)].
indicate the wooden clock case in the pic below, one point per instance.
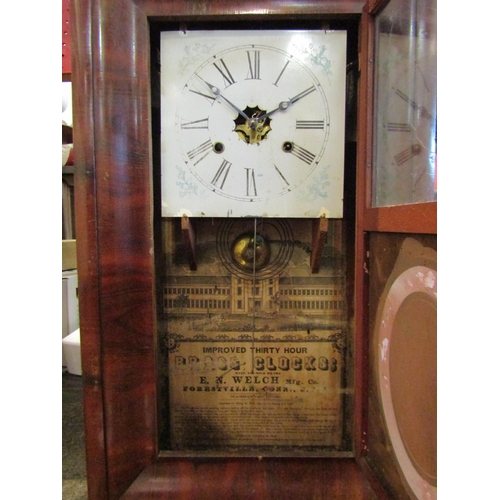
[(113, 47)]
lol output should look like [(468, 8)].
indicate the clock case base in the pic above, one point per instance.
[(262, 478)]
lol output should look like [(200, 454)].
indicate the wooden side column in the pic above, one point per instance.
[(114, 233)]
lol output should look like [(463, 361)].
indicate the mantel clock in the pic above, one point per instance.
[(226, 240)]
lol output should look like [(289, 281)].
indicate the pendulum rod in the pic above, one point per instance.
[(253, 290)]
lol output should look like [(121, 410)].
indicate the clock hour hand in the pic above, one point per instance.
[(419, 109), (216, 91), (294, 99), (283, 105)]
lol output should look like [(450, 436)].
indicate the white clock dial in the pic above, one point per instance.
[(252, 129), (246, 155)]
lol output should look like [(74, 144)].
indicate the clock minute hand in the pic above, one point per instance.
[(235, 107)]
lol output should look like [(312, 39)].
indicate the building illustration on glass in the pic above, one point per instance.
[(254, 328)]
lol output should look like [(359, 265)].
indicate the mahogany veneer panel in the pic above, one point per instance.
[(252, 478)]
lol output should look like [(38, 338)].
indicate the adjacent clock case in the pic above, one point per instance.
[(400, 430), (255, 325)]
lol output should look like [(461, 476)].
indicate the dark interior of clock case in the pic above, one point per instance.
[(256, 358)]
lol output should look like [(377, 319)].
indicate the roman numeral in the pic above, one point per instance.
[(254, 64), (281, 74), (251, 186), (302, 154), (398, 127), (281, 175), (205, 147), (226, 74), (221, 174), (406, 154), (196, 124), (310, 124)]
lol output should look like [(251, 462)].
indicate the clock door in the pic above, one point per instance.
[(255, 321), (397, 289)]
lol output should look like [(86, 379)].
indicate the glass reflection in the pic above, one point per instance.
[(405, 120)]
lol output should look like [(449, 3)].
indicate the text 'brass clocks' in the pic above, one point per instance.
[(252, 123)]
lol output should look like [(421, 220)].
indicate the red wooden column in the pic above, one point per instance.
[(114, 224)]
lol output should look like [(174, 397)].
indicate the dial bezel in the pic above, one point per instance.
[(218, 118)]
